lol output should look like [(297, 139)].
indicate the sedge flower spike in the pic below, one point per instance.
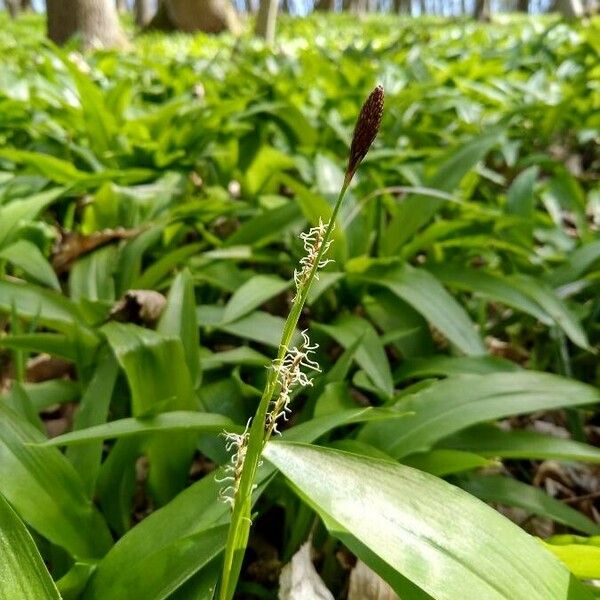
[(365, 131), (237, 444), (315, 248), (289, 374)]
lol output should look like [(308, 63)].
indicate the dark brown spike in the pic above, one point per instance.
[(365, 131)]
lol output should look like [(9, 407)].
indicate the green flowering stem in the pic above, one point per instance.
[(239, 529), (365, 131)]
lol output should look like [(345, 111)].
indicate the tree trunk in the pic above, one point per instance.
[(482, 10), (210, 16), (13, 8), (122, 6), (95, 20), (323, 5), (266, 20), (98, 24), (568, 8), (25, 5), (402, 7), (523, 6), (143, 13), (61, 20)]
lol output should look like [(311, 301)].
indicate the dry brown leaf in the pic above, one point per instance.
[(365, 584), (44, 367), (139, 306), (299, 579), (73, 245)]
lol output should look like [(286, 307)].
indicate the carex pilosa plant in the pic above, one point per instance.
[(291, 367)]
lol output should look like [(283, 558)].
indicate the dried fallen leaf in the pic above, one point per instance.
[(139, 306), (365, 584), (299, 579), (72, 245), (44, 367)]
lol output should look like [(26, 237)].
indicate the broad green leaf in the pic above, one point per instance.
[(453, 404), (427, 296), (370, 354), (521, 203), (179, 319), (505, 490), (519, 198), (55, 169), (442, 539), (576, 264), (580, 555), (24, 210), (56, 344), (92, 276), (492, 287), (23, 574), (44, 307), (271, 224), (40, 483), (554, 306), (27, 256), (164, 528), (447, 366), (415, 211), (491, 441), (176, 421), (54, 391), (252, 294), (93, 410), (243, 355), (258, 326), (267, 162), (159, 381), (157, 271), (441, 462)]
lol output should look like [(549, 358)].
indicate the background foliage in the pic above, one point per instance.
[(464, 293)]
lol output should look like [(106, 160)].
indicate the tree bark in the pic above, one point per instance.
[(523, 6), (323, 5), (25, 5), (122, 6), (266, 20), (482, 10), (143, 13), (13, 8), (98, 24), (95, 20), (61, 20), (568, 8), (209, 16)]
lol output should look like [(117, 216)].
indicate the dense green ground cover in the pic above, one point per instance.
[(464, 292)]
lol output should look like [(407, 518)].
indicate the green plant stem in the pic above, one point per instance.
[(239, 529)]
